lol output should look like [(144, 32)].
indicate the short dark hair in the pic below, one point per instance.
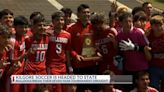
[(146, 3), (57, 14), (38, 19), (124, 16), (67, 11), (139, 16), (141, 74), (20, 20), (82, 7), (137, 9), (6, 12), (35, 14)]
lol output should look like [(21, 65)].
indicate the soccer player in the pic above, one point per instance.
[(105, 40), (5, 48), (108, 87), (134, 57), (139, 20), (79, 31), (142, 83), (33, 15), (67, 18), (148, 8), (59, 45), (35, 63), (156, 56), (7, 18), (17, 67)]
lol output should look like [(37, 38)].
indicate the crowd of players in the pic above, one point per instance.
[(129, 43)]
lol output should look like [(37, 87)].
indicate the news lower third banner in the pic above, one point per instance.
[(71, 79)]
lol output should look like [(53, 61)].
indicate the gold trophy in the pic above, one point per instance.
[(89, 51)]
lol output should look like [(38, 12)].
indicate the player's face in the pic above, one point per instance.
[(159, 27), (67, 18), (39, 28), (140, 24), (21, 29), (143, 82), (148, 9), (127, 23), (7, 20), (58, 23), (84, 15)]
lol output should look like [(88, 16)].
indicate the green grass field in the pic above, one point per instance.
[(158, 3)]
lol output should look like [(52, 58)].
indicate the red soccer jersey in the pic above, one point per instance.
[(107, 50), (78, 31), (157, 45), (147, 26), (36, 61), (59, 43), (19, 50)]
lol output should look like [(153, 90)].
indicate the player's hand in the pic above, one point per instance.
[(99, 54), (147, 48), (4, 64), (79, 58), (9, 47), (126, 45), (15, 66)]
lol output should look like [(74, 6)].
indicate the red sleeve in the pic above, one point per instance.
[(69, 42), (70, 30), (73, 53)]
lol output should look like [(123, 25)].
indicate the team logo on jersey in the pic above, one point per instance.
[(40, 46), (58, 39)]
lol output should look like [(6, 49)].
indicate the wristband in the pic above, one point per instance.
[(139, 48), (136, 48)]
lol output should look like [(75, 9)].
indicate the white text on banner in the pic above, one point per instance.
[(60, 79)]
